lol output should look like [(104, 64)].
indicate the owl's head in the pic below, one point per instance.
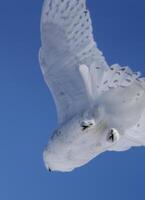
[(78, 141)]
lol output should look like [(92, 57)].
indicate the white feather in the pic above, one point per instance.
[(67, 42), (79, 77)]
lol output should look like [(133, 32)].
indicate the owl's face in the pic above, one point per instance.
[(78, 141)]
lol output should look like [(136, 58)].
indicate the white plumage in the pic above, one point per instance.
[(99, 107)]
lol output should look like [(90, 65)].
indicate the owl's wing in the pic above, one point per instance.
[(67, 44)]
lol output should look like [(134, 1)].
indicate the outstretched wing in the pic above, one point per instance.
[(67, 42)]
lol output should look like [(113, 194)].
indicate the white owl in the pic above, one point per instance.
[(100, 108)]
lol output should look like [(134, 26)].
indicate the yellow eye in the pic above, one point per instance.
[(113, 135)]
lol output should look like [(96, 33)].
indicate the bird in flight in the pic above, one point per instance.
[(100, 107)]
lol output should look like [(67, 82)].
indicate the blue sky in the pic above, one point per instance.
[(28, 115)]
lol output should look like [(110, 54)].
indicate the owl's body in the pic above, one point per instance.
[(92, 98)]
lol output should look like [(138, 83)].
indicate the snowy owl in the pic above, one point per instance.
[(100, 107)]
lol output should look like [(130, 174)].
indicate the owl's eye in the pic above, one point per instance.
[(113, 136)]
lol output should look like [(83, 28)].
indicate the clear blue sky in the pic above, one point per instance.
[(27, 111)]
